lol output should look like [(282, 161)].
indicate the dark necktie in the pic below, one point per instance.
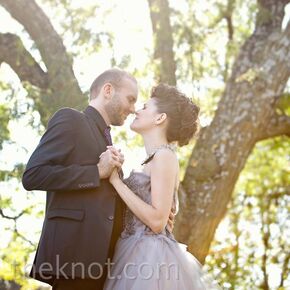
[(108, 136)]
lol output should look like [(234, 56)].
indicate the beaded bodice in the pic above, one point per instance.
[(140, 184)]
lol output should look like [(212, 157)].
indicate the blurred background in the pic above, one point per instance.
[(231, 57)]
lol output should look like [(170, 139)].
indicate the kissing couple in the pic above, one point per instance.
[(100, 230)]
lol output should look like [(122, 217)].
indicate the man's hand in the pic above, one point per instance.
[(117, 153), (109, 159), (170, 222)]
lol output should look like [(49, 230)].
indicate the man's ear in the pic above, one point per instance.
[(108, 90), (161, 118)]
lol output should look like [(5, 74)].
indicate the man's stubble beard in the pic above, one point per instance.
[(113, 111)]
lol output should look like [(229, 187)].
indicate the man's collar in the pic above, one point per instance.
[(95, 115)]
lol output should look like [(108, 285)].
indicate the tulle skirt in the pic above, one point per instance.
[(143, 262)]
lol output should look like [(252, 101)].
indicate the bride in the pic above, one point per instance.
[(147, 256)]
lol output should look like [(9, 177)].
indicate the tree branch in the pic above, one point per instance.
[(284, 270), (37, 24), (228, 16), (14, 218), (278, 125), (162, 31), (278, 195), (13, 52), (270, 14), (23, 237), (51, 48)]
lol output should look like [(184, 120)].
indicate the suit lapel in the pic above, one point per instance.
[(99, 137)]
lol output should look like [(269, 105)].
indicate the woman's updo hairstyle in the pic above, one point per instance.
[(182, 113)]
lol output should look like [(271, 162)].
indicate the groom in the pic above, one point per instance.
[(72, 162)]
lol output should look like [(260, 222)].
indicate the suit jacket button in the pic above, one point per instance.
[(110, 217)]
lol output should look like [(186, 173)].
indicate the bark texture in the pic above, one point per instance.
[(245, 115), (163, 41)]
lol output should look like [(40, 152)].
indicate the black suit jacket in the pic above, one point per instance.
[(80, 207)]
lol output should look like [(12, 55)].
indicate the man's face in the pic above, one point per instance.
[(123, 102)]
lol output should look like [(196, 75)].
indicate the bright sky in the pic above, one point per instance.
[(126, 25)]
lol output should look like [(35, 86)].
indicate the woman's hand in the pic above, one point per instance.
[(114, 176)]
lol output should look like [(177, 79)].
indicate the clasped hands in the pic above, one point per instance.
[(110, 163), (111, 159)]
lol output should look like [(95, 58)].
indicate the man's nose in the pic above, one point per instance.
[(132, 109)]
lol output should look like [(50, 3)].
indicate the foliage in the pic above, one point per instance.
[(4, 120), (254, 247), (207, 41)]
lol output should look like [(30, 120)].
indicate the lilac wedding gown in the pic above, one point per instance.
[(144, 260)]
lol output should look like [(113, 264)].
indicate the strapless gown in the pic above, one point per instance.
[(144, 260)]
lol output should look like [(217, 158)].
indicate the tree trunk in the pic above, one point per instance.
[(163, 40), (245, 115)]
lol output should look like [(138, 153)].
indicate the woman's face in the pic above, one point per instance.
[(146, 117)]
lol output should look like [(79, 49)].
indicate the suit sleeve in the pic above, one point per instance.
[(46, 169)]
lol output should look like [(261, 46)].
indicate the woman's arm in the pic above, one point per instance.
[(164, 169)]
